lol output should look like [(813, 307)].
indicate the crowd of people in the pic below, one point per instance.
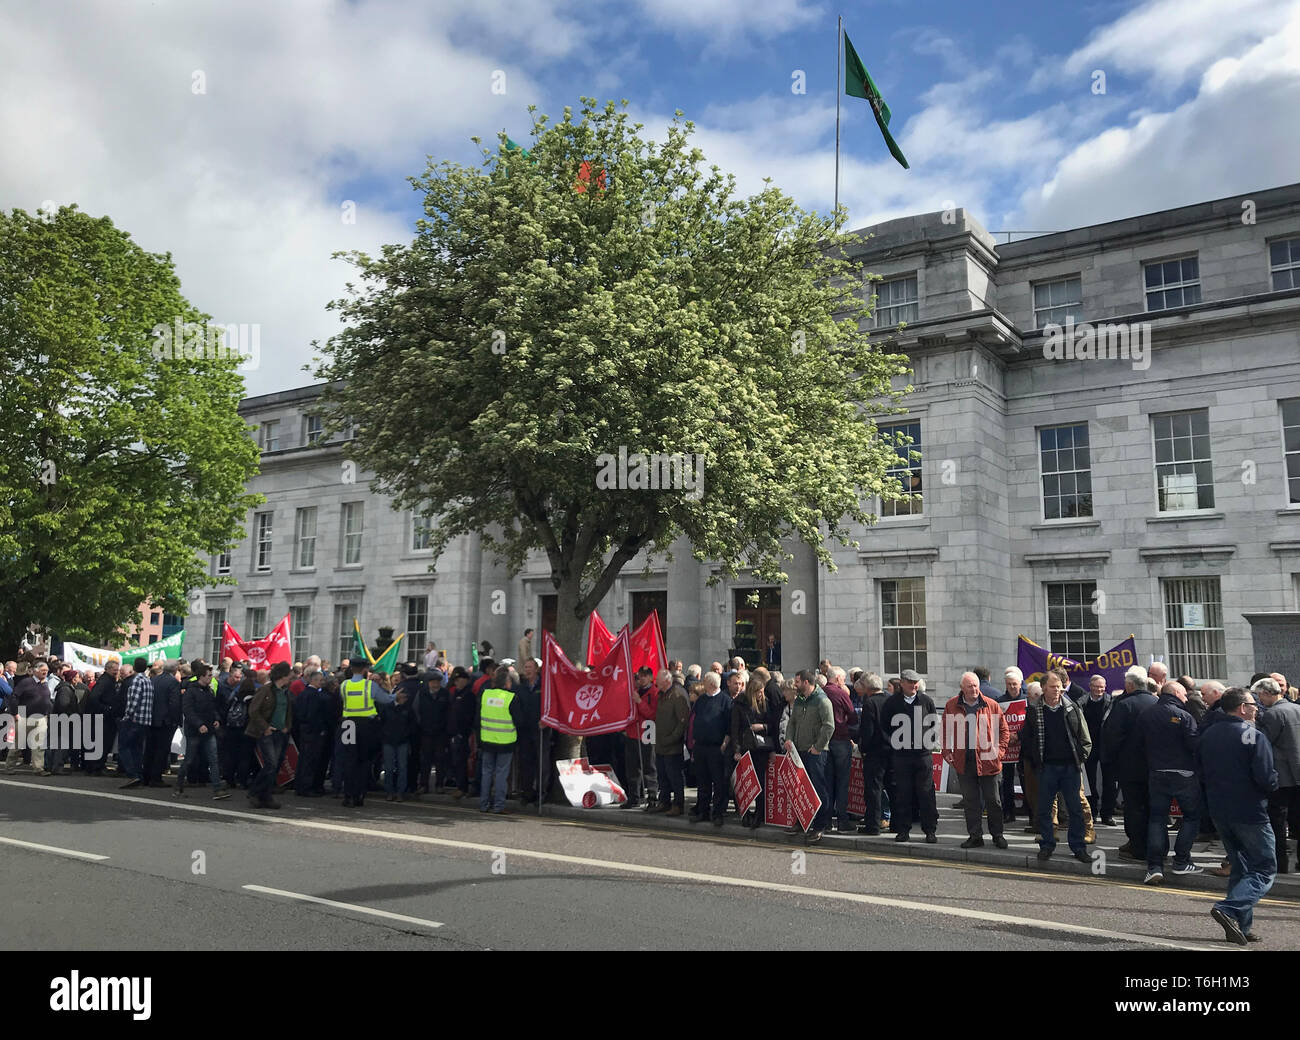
[(1227, 760)]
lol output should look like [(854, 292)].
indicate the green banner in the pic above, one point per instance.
[(168, 649)]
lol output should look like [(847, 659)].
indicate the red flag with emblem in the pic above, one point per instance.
[(260, 653), (648, 645), (591, 702), (599, 639)]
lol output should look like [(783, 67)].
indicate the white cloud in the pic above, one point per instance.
[(729, 20)]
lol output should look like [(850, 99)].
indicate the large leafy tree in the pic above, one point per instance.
[(599, 292), (120, 461)]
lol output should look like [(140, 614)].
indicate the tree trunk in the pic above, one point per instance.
[(569, 634)]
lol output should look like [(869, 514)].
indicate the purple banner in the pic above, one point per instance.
[(1035, 660)]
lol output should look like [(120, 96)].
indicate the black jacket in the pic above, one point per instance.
[(908, 729), (1167, 731), (65, 699), (873, 740), (1122, 750), (32, 695), (432, 710), (198, 706), (102, 699), (311, 711), (166, 701), (396, 723), (1076, 732), (529, 699), (1095, 713), (464, 712)]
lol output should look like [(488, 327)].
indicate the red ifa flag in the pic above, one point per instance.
[(599, 639), (260, 653), (584, 178), (586, 703), (648, 645)]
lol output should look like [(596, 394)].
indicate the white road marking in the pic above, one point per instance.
[(92, 856), (637, 868), (344, 906)]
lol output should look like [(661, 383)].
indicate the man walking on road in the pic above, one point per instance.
[(1237, 762)]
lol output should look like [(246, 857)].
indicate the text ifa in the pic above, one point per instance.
[(99, 994)]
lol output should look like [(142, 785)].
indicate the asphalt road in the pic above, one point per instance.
[(203, 875)]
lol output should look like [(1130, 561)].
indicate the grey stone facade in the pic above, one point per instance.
[(988, 553)]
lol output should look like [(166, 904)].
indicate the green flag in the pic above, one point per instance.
[(473, 654), (515, 146), (858, 83), (361, 651), (387, 661)]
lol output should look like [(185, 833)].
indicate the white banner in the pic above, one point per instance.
[(587, 786)]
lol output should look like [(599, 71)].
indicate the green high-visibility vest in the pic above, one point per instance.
[(357, 700), (495, 724)]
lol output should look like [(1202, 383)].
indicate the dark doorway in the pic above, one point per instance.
[(758, 615), (645, 603), (550, 604)]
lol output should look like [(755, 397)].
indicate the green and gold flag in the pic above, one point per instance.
[(858, 83)]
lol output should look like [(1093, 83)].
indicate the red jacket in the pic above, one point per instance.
[(645, 710), (991, 736)]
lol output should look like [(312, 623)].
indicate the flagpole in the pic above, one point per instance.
[(839, 47)]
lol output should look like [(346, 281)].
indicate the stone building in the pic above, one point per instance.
[(1108, 422)]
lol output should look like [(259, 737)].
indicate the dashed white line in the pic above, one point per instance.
[(94, 857), (355, 908)]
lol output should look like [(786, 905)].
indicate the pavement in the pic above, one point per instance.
[(141, 869)]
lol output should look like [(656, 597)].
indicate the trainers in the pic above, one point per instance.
[(1000, 842), (1187, 868), (973, 843), (1231, 929), (1154, 877)]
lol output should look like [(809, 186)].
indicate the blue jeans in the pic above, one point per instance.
[(130, 748), (837, 779), (496, 776), (271, 747), (200, 747), (1163, 786), (1057, 778), (815, 766), (396, 757), (1251, 851)]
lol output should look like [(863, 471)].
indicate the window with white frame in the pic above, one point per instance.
[(262, 540), (216, 632), (305, 538), (313, 429), (1073, 627), (896, 301), (1194, 628), (268, 435), (1291, 448), (417, 627), (353, 519), (906, 439), (255, 623), (300, 632), (1058, 301), (1284, 263), (902, 624), (221, 563), (421, 531), (344, 615), (1184, 474), (1066, 471), (1172, 283)]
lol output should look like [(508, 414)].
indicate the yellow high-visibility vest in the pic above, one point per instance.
[(357, 700), (495, 724)]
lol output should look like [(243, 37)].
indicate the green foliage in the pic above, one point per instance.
[(117, 467), (531, 327)]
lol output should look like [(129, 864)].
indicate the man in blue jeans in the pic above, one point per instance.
[(840, 758), (500, 718), (270, 720), (137, 717), (1055, 741), (1236, 761), (1167, 734)]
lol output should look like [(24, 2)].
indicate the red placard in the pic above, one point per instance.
[(1013, 714), (857, 789), (936, 762), (746, 783), (777, 810), (803, 796)]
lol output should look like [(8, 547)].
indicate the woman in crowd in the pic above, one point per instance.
[(749, 734)]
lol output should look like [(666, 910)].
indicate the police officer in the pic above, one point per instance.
[(500, 719), (359, 734)]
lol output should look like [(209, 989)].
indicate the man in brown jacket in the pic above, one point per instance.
[(270, 719), (670, 735), (975, 738)]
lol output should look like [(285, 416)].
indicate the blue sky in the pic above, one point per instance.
[(307, 104)]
